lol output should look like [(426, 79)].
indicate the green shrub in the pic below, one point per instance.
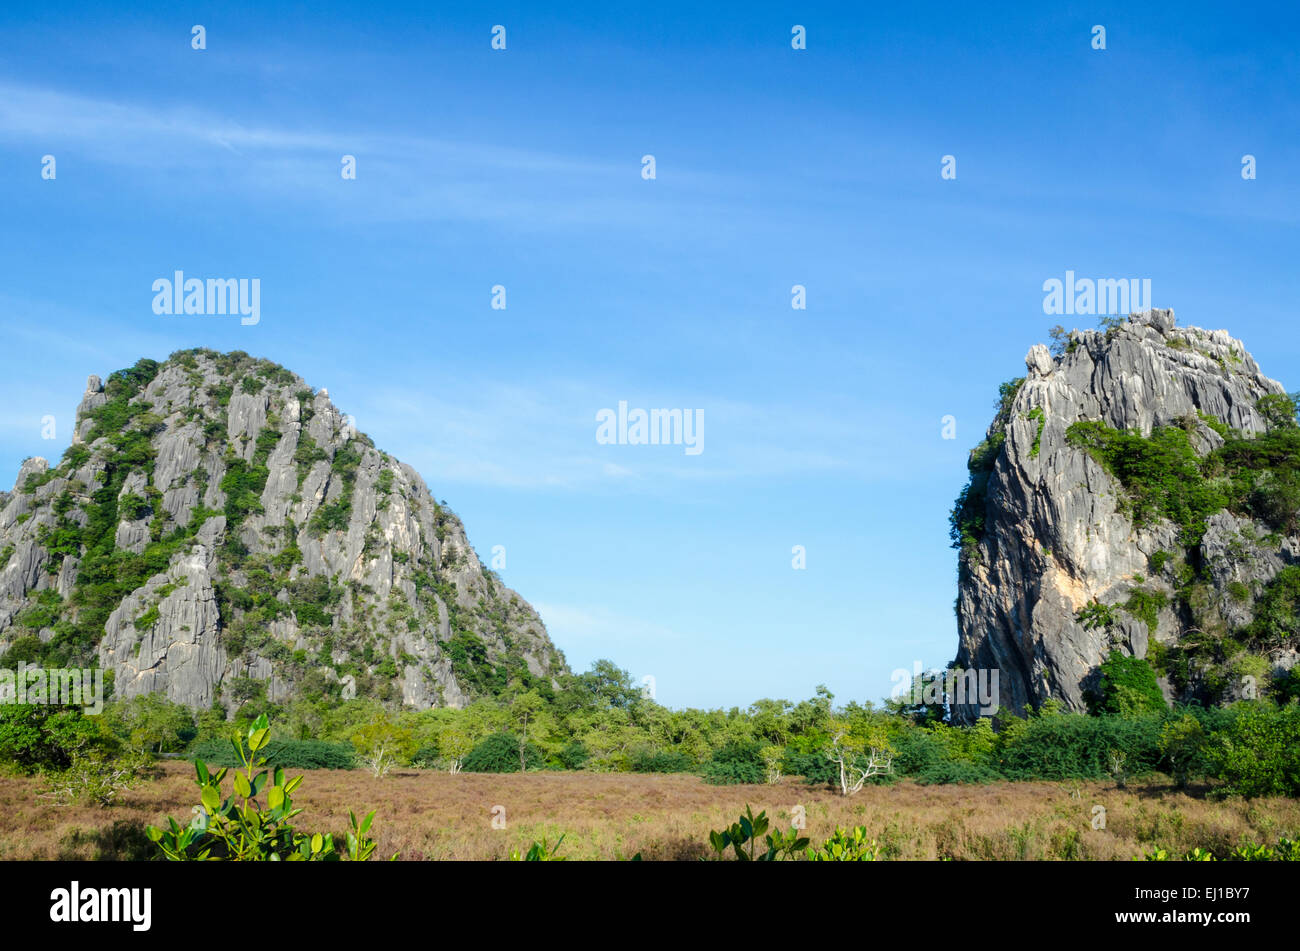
[(36, 737), (287, 754), (470, 662), (1036, 415), (1095, 615), (1258, 754), (938, 756), (27, 649), (1183, 743), (742, 838), (426, 757), (1076, 746), (574, 755), (814, 767), (97, 778), (540, 851), (1127, 688), (499, 753), (662, 761), (1277, 610), (846, 847), (736, 763), (1146, 607), (1288, 850)]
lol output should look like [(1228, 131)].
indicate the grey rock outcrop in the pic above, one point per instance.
[(217, 528), (1056, 537)]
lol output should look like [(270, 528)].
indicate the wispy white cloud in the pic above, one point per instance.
[(543, 436), (424, 177)]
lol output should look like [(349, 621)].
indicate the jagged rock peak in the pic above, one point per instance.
[(218, 530), (1065, 555)]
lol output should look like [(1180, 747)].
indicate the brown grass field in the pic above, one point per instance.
[(428, 815)]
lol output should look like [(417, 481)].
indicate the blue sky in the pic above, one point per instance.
[(775, 167)]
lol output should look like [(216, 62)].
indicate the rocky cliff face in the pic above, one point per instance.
[(217, 529), (1137, 491)]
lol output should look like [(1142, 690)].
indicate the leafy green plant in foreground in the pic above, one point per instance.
[(846, 847), (742, 838), (541, 851), (1288, 850), (238, 828)]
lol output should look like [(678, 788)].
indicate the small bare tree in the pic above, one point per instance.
[(379, 759), (1117, 760), (98, 779), (859, 757), (772, 757), (381, 745), (454, 745)]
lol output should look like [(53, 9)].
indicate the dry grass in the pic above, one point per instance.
[(426, 815)]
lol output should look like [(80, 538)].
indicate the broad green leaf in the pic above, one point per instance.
[(211, 798)]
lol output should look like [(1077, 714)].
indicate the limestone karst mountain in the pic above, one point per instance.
[(1138, 490), (217, 529)]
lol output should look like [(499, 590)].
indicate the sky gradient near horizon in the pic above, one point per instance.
[(775, 167)]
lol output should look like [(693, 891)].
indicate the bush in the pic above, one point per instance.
[(97, 778), (1258, 753), (573, 756), (286, 754), (814, 767), (937, 757), (1076, 746), (736, 763), (426, 757), (846, 847), (1127, 688), (662, 761), (1183, 744), (499, 753), (35, 737)]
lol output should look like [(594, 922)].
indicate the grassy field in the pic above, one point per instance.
[(427, 815)]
